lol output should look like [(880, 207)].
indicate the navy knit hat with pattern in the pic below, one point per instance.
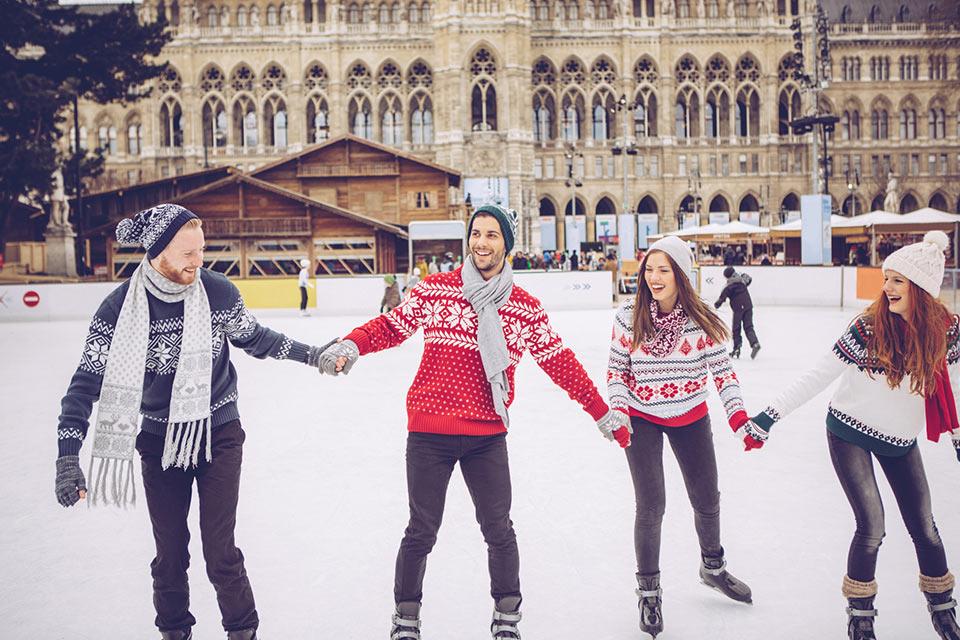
[(506, 217), (154, 228)]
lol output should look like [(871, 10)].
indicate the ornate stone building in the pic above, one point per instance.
[(656, 106)]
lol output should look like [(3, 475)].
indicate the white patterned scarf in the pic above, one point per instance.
[(118, 415), (486, 297)]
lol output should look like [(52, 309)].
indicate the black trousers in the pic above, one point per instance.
[(303, 298), (168, 501), (693, 447), (745, 317), (486, 470), (854, 467)]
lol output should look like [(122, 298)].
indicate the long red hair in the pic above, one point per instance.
[(913, 346), (693, 306)]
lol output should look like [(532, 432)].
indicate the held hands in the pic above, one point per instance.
[(339, 358), (752, 434), (70, 486), (615, 426), (313, 355)]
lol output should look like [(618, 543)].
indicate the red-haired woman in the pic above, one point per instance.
[(667, 344), (893, 361)]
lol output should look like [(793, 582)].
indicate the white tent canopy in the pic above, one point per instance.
[(714, 230)]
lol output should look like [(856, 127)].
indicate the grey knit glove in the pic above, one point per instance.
[(344, 349), (70, 480), (611, 422), (313, 355)]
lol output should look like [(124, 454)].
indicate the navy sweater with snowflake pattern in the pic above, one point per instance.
[(864, 409), (231, 323)]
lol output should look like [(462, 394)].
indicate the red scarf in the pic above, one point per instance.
[(941, 408)]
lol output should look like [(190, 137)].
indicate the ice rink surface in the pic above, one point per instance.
[(323, 507)]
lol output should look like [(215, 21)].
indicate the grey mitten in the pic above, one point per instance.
[(70, 480), (313, 354), (343, 349), (612, 421)]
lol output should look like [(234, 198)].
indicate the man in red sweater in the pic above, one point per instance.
[(476, 325)]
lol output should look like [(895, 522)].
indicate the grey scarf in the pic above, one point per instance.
[(118, 415), (486, 297)]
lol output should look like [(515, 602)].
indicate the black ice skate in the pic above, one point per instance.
[(754, 350), (506, 615), (735, 353), (183, 634), (244, 634), (406, 622), (942, 608), (861, 614), (714, 574), (650, 603)]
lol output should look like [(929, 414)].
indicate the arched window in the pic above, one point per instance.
[(134, 137), (544, 110), (645, 114), (245, 132), (212, 79), (318, 119), (389, 77), (600, 130), (391, 120), (366, 13), (171, 123), (353, 14), (547, 207), (687, 114), (908, 124), (573, 111), (274, 78), (874, 15), (272, 17), (788, 109), (937, 124), (241, 16), (483, 94), (604, 127), (683, 8), (852, 206), (903, 14), (719, 204), (212, 17), (909, 204), (938, 201), (214, 124), (648, 205), (845, 14), (384, 14), (242, 79), (717, 112), (361, 117), (275, 122), (421, 119), (850, 125), (414, 13)]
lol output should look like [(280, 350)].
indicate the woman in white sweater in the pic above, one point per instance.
[(893, 361), (667, 346)]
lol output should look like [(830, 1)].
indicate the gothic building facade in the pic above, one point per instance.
[(676, 109)]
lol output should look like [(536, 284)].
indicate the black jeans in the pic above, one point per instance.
[(303, 298), (168, 501), (693, 447), (854, 467), (486, 471), (745, 317)]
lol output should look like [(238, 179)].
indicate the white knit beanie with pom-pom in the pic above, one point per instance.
[(922, 262)]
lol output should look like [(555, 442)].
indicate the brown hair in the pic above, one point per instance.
[(693, 306), (915, 345), (193, 222)]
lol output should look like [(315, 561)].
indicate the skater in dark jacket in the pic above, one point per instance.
[(742, 305)]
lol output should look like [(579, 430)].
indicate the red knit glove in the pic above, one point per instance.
[(753, 435), (749, 443), (622, 436)]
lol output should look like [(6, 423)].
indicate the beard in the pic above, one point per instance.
[(174, 274)]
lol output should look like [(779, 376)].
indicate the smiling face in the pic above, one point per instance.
[(661, 280), (487, 246), (180, 260), (896, 288)]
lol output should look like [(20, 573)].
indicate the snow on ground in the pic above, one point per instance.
[(323, 508)]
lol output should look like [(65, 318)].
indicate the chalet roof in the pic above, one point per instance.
[(286, 193), (225, 170), (455, 175)]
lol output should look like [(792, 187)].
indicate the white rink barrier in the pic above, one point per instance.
[(335, 296), (793, 286), (556, 290)]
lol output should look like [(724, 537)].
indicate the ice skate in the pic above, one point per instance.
[(406, 622), (714, 574), (861, 614), (243, 634), (182, 634), (735, 353), (754, 350), (943, 613), (650, 603), (506, 615)]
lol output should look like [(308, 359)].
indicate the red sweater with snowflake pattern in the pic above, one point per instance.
[(450, 393)]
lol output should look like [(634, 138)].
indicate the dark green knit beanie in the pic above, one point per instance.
[(507, 219)]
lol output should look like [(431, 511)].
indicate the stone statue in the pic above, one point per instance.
[(666, 7), (701, 9), (255, 16), (617, 8), (59, 207), (762, 8), (588, 10), (194, 15), (731, 9), (891, 202), (294, 17)]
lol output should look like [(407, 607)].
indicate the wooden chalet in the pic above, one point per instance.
[(344, 204)]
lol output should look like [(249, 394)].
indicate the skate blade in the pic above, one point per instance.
[(720, 591)]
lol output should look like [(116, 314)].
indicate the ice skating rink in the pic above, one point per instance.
[(323, 508)]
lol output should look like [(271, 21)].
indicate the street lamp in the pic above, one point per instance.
[(571, 153), (853, 183)]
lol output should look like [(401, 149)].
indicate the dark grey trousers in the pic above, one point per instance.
[(693, 447), (486, 470), (854, 467), (743, 317), (168, 495)]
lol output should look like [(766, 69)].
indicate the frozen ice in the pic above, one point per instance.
[(323, 507)]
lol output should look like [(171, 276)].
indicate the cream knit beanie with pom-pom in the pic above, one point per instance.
[(922, 262)]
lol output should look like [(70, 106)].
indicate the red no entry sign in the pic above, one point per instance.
[(31, 298)]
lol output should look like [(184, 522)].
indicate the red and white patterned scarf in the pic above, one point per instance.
[(669, 330)]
